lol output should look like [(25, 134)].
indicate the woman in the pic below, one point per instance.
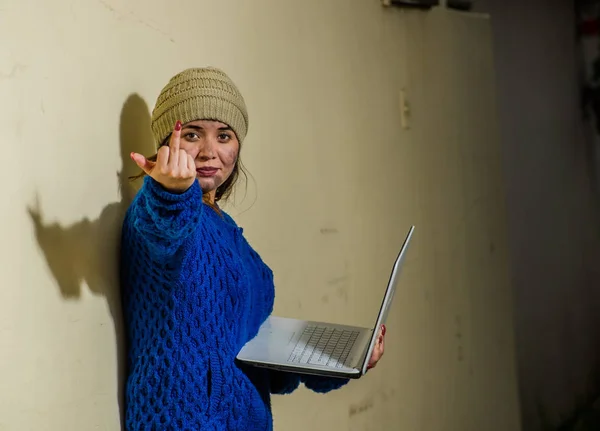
[(194, 291)]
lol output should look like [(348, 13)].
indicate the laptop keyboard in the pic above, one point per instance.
[(321, 345)]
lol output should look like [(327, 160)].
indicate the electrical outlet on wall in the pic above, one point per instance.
[(404, 110)]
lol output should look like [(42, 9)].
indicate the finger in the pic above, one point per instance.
[(183, 163), (144, 164), (174, 160), (374, 357), (373, 361), (191, 165), (175, 138), (377, 348), (162, 159), (377, 354)]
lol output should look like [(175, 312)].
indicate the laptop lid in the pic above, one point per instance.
[(389, 296)]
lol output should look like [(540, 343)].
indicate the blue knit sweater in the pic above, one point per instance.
[(194, 292)]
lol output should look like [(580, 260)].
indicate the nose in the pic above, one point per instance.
[(206, 150)]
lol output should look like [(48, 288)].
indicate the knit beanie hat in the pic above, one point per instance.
[(199, 94)]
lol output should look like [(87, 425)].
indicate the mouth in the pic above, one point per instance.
[(206, 172)]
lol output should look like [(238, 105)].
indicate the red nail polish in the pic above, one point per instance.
[(178, 126), (382, 329)]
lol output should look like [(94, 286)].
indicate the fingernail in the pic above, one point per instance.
[(178, 126), (131, 155), (382, 329)]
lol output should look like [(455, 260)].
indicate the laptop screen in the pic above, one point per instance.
[(389, 296)]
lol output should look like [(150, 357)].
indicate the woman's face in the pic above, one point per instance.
[(214, 148)]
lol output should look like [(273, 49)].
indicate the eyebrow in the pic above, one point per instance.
[(194, 127)]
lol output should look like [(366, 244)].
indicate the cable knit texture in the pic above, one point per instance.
[(194, 292)]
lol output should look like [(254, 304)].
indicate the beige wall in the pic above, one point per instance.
[(337, 183)]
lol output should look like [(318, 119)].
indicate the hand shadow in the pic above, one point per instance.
[(88, 251)]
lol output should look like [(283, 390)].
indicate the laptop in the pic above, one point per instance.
[(318, 348)]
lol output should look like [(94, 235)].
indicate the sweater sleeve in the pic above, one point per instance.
[(286, 382), (283, 382), (164, 219), (323, 384)]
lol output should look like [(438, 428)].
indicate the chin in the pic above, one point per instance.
[(208, 184)]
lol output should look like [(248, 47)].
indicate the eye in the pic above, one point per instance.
[(224, 137), (191, 136)]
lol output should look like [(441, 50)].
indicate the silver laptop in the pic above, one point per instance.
[(325, 349)]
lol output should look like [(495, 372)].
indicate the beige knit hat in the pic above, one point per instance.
[(199, 94)]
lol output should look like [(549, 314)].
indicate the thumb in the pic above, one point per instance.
[(144, 164)]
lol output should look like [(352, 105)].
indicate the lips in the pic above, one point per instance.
[(207, 172)]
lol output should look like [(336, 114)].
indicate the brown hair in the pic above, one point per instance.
[(223, 191)]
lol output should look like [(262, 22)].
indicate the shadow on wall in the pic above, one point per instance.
[(88, 251)]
